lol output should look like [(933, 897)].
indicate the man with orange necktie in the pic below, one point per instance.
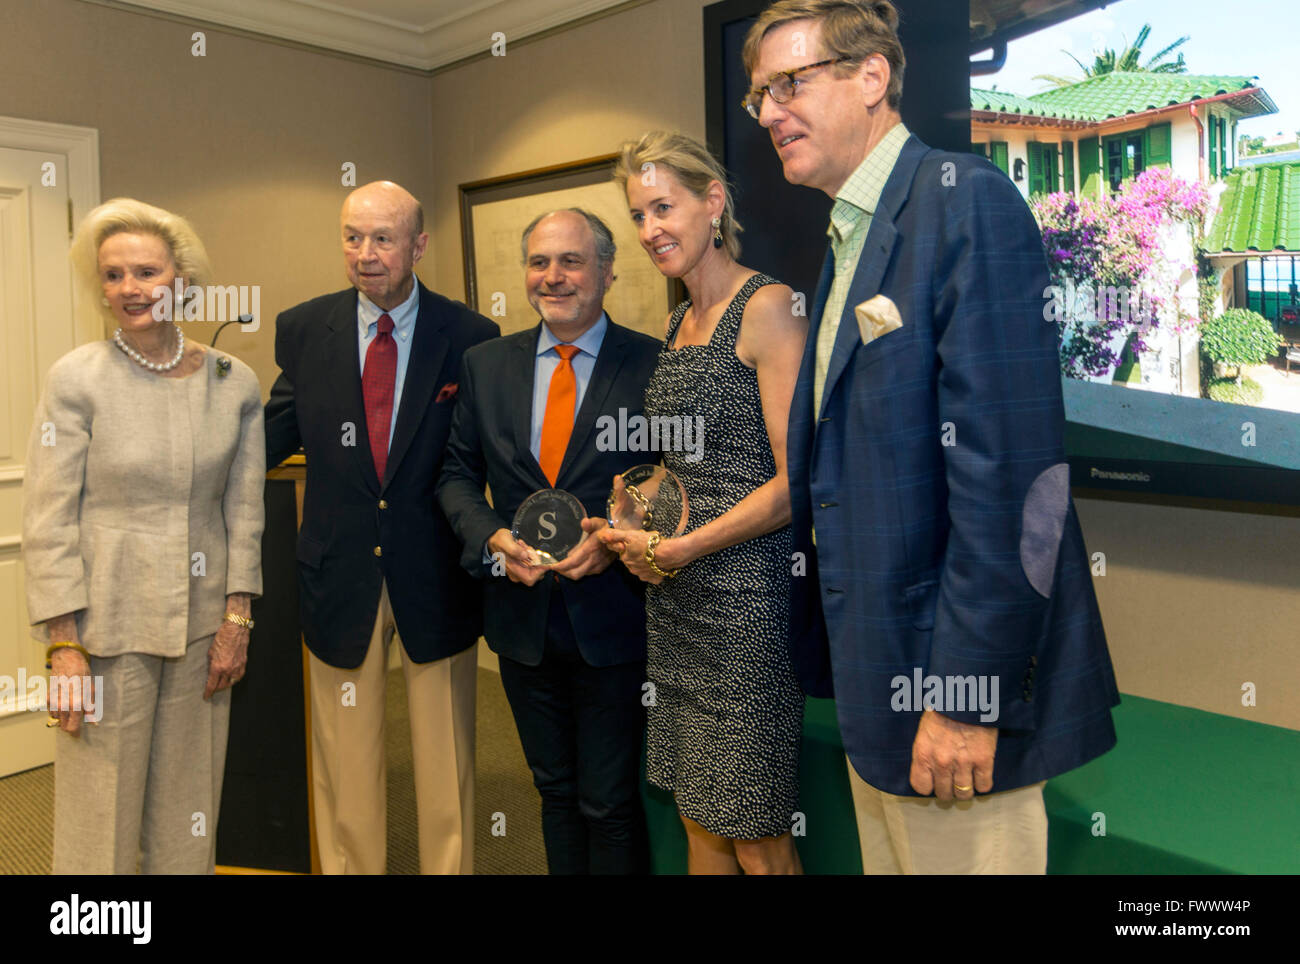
[(571, 637), (368, 389)]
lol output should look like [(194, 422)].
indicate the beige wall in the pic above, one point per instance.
[(1198, 602), (571, 96), (247, 142)]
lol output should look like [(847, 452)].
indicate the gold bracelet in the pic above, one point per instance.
[(648, 519), (239, 620), (65, 644), (650, 558)]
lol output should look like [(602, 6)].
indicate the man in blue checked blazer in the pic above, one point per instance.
[(948, 606)]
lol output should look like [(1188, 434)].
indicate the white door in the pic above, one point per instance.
[(37, 325)]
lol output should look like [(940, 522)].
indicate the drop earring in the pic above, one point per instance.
[(717, 232)]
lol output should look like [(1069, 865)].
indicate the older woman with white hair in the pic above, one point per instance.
[(142, 526)]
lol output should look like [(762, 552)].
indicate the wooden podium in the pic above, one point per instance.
[(265, 823)]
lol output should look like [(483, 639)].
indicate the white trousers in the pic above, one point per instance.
[(141, 788)]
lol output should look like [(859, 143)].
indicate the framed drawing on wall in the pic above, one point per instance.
[(494, 213)]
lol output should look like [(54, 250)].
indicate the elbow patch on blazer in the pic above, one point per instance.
[(1042, 523)]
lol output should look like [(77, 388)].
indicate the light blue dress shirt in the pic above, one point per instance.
[(545, 362), (548, 359), (403, 331)]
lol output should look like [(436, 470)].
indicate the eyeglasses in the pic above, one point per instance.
[(781, 87)]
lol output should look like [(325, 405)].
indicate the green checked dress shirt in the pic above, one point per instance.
[(850, 220)]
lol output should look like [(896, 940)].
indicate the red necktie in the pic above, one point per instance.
[(377, 380), (557, 425)]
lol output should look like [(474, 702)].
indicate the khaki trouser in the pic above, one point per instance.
[(349, 792), (994, 833)]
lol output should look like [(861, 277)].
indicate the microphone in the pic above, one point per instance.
[(241, 320)]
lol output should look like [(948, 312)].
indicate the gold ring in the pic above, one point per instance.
[(51, 720), (960, 789)]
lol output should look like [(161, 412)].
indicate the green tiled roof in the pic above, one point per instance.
[(1120, 93), (1259, 210), (1005, 103), (1111, 95)]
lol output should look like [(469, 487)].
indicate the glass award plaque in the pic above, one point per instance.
[(648, 497), (549, 523)]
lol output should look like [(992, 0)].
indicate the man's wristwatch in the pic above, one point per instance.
[(239, 620)]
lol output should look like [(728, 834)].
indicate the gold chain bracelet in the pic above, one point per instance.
[(650, 558), (647, 520)]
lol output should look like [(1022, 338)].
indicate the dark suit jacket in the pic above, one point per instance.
[(935, 476), (490, 443), (347, 511)]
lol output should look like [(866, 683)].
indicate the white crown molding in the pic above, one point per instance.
[(457, 32)]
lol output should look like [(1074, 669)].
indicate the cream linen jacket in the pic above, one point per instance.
[(142, 503)]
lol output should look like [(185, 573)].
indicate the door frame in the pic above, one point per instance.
[(77, 148), (80, 145)]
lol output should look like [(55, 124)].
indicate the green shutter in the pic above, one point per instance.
[(1067, 166), (981, 149), (1214, 147), (1223, 146), (1159, 149), (998, 155), (1090, 166), (1036, 173)]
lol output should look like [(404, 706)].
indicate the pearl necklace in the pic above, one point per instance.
[(140, 359)]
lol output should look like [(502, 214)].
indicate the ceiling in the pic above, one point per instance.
[(427, 34), (423, 34)]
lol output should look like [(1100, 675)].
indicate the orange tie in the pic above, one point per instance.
[(557, 425)]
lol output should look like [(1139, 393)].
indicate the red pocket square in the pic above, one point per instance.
[(447, 393)]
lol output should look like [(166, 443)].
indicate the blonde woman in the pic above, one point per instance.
[(723, 733), (142, 527)]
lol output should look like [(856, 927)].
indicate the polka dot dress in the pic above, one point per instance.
[(724, 731)]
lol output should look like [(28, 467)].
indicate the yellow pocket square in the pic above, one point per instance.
[(877, 316)]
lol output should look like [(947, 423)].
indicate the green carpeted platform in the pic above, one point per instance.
[(1183, 792)]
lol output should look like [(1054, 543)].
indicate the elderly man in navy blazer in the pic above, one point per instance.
[(368, 389), (948, 602)]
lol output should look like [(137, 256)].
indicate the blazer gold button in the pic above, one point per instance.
[(383, 504), (379, 551)]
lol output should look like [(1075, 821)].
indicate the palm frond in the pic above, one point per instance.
[(1053, 81), (1156, 58), (1086, 72)]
